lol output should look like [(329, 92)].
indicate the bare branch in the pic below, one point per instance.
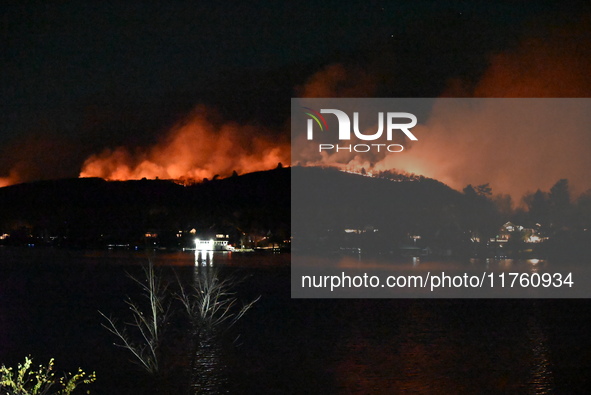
[(149, 322)]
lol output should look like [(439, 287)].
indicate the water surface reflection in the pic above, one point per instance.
[(432, 349), (288, 346)]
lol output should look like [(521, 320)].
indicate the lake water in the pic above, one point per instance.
[(49, 303)]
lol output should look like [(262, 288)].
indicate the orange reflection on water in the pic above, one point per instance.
[(427, 353)]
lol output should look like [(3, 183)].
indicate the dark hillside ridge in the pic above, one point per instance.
[(253, 209), (85, 211)]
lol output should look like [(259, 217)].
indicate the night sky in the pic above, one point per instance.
[(85, 80)]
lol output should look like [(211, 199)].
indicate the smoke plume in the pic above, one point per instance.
[(517, 155), (516, 146), (457, 145), (196, 148), (38, 156)]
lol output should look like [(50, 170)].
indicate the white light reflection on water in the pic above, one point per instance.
[(541, 377), (208, 368), (425, 264), (209, 371), (203, 258)]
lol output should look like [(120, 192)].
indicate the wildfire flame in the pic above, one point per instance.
[(193, 150), (6, 181)]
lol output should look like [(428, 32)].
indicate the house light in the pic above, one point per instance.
[(204, 245)]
